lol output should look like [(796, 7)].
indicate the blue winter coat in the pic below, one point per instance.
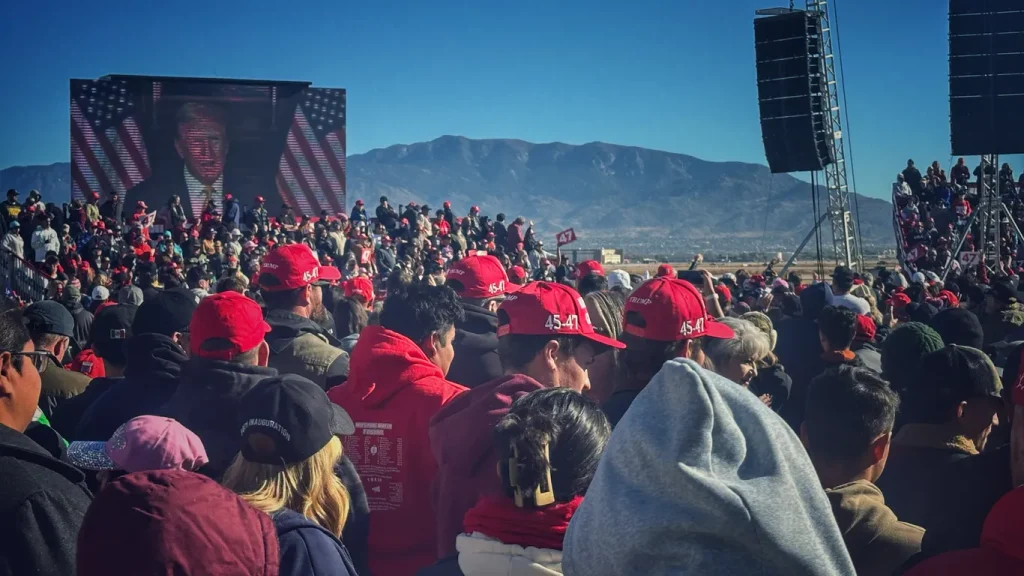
[(309, 550)]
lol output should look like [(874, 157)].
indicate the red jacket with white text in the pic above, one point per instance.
[(392, 392)]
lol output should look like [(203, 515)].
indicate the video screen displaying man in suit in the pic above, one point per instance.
[(202, 144), (152, 139), (201, 141)]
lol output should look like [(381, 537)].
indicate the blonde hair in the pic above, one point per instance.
[(865, 292), (310, 487)]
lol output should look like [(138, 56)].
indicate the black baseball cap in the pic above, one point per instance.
[(112, 326), (957, 373), (842, 274), (287, 419), (12, 192), (168, 312), (49, 317)]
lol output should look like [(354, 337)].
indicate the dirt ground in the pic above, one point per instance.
[(805, 269)]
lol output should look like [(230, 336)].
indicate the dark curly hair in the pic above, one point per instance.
[(421, 310)]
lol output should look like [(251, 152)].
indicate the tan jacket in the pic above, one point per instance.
[(877, 541)]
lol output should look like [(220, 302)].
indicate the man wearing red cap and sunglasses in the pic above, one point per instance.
[(665, 318), (291, 281), (545, 340)]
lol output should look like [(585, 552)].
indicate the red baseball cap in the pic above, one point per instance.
[(359, 202), (517, 275), (588, 266), (228, 315), (447, 204), (672, 310), (481, 277), (474, 209), (899, 300), (550, 309), (865, 328), (293, 266), (360, 286), (259, 198), (666, 270)]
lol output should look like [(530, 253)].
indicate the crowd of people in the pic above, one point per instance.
[(415, 393), (934, 218)]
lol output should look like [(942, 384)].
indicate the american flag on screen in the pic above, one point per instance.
[(311, 173), (107, 151)]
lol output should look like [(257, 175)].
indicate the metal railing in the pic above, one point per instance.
[(21, 277)]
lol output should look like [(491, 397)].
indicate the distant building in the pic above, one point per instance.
[(602, 255)]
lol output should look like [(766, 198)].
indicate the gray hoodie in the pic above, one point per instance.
[(700, 477)]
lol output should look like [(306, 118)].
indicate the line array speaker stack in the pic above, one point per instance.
[(792, 102), (986, 77)]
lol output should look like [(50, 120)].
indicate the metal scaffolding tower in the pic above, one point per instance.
[(844, 234)]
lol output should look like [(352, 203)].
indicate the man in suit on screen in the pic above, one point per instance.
[(201, 141)]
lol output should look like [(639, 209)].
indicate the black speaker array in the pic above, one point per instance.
[(986, 77), (789, 92)]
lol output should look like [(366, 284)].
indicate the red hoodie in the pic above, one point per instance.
[(391, 394), (462, 439)]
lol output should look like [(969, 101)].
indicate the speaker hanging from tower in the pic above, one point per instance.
[(792, 104)]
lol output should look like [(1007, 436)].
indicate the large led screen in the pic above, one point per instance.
[(149, 139)]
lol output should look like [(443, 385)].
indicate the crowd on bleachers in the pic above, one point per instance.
[(934, 215), (415, 393)]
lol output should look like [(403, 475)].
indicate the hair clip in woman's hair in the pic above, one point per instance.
[(543, 494)]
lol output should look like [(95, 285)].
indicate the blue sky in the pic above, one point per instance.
[(672, 75)]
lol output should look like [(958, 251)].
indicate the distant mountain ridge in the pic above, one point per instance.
[(612, 195)]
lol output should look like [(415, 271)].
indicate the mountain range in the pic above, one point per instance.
[(647, 201)]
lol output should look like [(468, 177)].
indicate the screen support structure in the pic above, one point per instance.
[(844, 234)]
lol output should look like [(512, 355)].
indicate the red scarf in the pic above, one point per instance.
[(498, 517)]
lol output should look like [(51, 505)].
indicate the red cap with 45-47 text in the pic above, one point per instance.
[(549, 309), (294, 266), (481, 277), (672, 310)]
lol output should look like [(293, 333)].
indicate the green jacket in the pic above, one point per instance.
[(58, 385), (300, 346)]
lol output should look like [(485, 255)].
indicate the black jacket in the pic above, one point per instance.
[(83, 323), (616, 405), (967, 490), (69, 414), (773, 381), (206, 402), (356, 534), (917, 467), (387, 217), (799, 350), (42, 504), (476, 348), (150, 379)]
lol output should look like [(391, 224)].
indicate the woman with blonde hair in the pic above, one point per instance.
[(285, 469), (864, 291)]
